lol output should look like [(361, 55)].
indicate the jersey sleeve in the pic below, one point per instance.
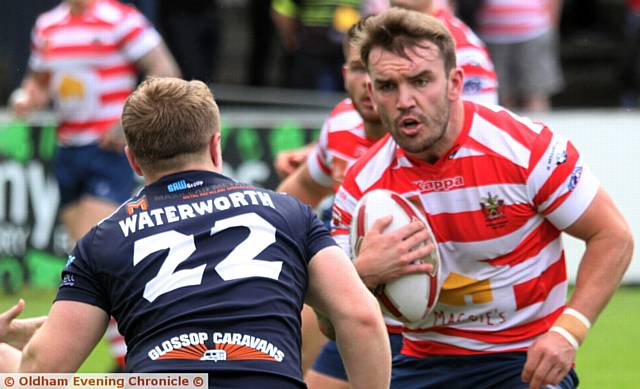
[(344, 205), (136, 35), (37, 61), (560, 185), (317, 236), (480, 80), (318, 160), (80, 278)]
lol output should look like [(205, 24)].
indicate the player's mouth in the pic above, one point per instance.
[(366, 101), (408, 125)]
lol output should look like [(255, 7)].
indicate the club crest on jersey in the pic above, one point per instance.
[(493, 209)]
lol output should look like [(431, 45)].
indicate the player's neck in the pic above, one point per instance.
[(78, 7), (374, 130), (150, 178)]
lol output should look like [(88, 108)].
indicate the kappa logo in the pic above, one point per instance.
[(443, 185)]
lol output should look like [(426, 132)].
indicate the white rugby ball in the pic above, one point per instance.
[(409, 298)]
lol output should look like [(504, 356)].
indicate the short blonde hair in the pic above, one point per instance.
[(397, 30), (168, 122)]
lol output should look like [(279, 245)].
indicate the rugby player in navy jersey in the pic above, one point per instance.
[(202, 273)]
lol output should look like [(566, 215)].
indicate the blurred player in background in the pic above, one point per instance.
[(523, 39), (85, 55), (497, 190), (480, 79), (248, 259)]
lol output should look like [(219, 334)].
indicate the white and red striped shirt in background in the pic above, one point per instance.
[(512, 21), (480, 79), (91, 62), (496, 202), (342, 141)]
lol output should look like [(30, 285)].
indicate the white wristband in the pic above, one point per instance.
[(578, 315), (565, 334)]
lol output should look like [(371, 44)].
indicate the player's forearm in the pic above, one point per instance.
[(300, 185), (159, 62), (364, 346), (286, 27), (603, 264), (32, 95)]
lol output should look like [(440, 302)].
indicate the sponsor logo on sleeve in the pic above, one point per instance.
[(68, 280), (575, 178)]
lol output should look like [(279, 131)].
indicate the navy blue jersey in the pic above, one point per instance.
[(203, 274)]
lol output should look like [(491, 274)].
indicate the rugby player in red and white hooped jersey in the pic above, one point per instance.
[(480, 84), (85, 57), (353, 127), (498, 190)]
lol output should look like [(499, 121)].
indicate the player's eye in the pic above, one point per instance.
[(420, 82), (385, 86)]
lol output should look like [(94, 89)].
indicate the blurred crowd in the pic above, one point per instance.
[(297, 43)]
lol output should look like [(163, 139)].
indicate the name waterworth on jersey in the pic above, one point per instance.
[(171, 214)]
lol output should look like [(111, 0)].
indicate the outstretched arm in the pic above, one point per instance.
[(17, 332), (609, 246), (301, 185), (65, 340), (336, 290)]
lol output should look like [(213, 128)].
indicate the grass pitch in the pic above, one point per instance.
[(607, 359)]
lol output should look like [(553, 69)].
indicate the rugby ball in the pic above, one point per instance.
[(409, 298)]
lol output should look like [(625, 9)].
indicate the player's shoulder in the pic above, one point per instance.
[(373, 164), (462, 34), (344, 117), (52, 17), (498, 128)]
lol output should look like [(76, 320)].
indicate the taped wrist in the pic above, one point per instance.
[(573, 326)]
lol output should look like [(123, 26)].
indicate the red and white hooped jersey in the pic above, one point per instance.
[(90, 59), (496, 202), (511, 21), (480, 79), (342, 141)]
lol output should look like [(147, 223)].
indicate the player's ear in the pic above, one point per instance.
[(456, 83), (132, 161), (370, 93), (215, 151)]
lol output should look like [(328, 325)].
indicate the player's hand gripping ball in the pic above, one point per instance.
[(409, 298)]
